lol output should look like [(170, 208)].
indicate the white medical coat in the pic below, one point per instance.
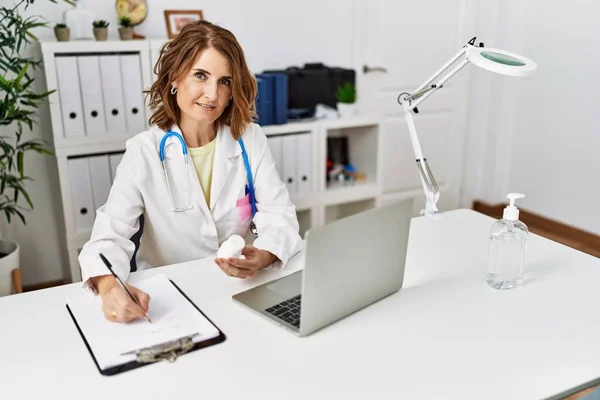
[(171, 237)]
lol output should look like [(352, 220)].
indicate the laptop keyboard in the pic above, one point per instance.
[(288, 310)]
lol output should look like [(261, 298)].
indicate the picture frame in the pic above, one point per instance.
[(176, 19)]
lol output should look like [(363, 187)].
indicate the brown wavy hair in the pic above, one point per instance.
[(178, 57)]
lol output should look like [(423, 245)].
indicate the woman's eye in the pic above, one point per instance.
[(199, 75), (226, 82)]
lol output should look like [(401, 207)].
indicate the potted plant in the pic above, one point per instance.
[(126, 29), (62, 32), (345, 95), (101, 30), (18, 105)]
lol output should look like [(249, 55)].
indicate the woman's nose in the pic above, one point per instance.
[(210, 92)]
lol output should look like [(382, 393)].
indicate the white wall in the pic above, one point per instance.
[(311, 31), (539, 135), (274, 34), (557, 135)]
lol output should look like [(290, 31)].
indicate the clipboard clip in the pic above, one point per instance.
[(168, 351)]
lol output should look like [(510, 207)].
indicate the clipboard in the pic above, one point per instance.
[(168, 351)]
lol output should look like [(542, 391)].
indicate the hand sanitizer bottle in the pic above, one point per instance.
[(508, 244)]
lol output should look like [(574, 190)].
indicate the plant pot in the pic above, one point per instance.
[(9, 260), (346, 109), (101, 34), (126, 33), (62, 34)]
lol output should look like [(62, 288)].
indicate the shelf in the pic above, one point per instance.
[(357, 146), (290, 127), (93, 46), (339, 193), (92, 144), (303, 126), (352, 122)]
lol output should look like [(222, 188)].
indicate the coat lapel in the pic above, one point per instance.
[(227, 150)]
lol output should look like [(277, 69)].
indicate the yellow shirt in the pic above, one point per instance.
[(203, 158)]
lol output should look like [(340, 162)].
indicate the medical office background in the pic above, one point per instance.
[(485, 134)]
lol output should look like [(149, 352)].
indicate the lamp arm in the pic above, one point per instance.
[(440, 84), (410, 102), (443, 68)]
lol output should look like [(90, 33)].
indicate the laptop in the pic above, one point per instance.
[(350, 264)]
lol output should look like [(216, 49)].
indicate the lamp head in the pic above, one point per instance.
[(500, 61)]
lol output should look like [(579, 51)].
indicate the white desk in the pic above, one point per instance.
[(445, 335)]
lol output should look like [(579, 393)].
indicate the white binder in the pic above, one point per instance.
[(131, 71), (91, 95), (276, 147), (289, 163), (101, 179), (70, 96), (81, 190), (114, 160), (303, 163), (112, 92)]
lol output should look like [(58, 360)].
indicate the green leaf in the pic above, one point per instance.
[(38, 96), (20, 163), (3, 109), (21, 74), (21, 188), (4, 84), (21, 216)]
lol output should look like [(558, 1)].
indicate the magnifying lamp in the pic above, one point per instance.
[(495, 60)]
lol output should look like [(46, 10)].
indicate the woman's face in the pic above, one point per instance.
[(203, 93)]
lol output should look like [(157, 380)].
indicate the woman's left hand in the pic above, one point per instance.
[(255, 260)]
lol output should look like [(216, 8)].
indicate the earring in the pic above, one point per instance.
[(173, 90)]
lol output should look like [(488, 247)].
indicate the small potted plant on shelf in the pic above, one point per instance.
[(100, 30), (62, 32), (346, 98), (125, 30)]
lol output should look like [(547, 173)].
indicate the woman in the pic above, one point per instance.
[(204, 96)]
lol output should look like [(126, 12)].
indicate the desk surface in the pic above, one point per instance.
[(444, 335)]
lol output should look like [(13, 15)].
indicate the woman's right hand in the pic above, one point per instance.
[(116, 303)]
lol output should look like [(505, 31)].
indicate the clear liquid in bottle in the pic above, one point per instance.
[(506, 259)]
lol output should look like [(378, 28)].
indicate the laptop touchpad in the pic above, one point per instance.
[(288, 286)]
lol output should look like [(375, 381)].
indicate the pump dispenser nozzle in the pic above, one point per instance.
[(511, 212)]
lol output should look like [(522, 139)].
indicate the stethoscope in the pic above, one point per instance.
[(161, 149)]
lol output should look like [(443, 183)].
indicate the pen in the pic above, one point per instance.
[(109, 266)]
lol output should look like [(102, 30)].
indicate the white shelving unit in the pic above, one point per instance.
[(319, 202)]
